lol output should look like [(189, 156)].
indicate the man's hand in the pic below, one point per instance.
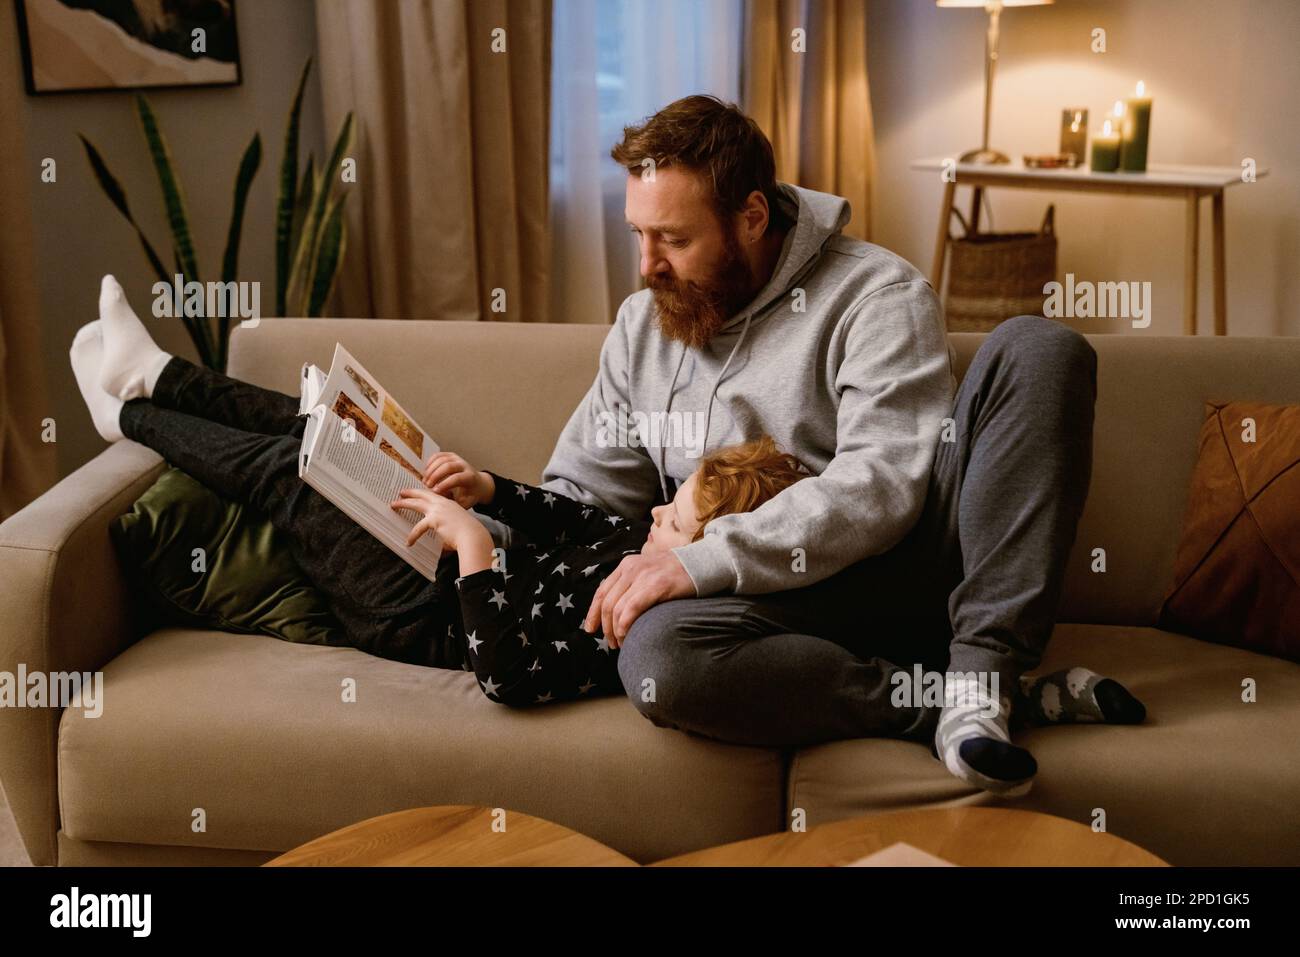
[(640, 582)]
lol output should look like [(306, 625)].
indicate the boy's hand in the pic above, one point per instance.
[(442, 516), (450, 475)]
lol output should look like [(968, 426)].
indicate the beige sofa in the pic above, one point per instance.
[(252, 730)]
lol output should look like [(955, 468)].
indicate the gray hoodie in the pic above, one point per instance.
[(842, 358)]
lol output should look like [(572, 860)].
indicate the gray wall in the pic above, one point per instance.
[(1223, 77), (80, 237)]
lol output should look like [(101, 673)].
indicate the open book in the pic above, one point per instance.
[(360, 449)]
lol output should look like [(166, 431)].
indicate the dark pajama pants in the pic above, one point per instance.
[(974, 586), (242, 442)]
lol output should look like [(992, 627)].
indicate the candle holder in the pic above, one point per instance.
[(1074, 133)]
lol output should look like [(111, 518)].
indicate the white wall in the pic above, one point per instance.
[(1224, 77), (80, 236)]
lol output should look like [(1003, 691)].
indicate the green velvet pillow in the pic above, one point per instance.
[(245, 580)]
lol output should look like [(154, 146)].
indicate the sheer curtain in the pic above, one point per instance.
[(615, 62)]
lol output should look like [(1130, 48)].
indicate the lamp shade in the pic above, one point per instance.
[(985, 3)]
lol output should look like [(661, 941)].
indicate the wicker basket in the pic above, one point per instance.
[(994, 276)]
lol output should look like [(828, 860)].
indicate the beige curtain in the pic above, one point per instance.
[(449, 214), (27, 465), (808, 91)]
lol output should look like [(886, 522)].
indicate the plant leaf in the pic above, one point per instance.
[(230, 259), (298, 275), (306, 193), (117, 196), (196, 326), (310, 239), (243, 180), (173, 199), (333, 238), (286, 201)]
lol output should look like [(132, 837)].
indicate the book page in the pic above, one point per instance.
[(355, 396), (362, 481)]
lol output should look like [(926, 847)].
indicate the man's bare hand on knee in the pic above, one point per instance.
[(640, 582)]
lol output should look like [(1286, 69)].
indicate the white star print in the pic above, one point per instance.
[(491, 686), (540, 586), (543, 556), (561, 645), (602, 644), (473, 642), (521, 491), (524, 638), (535, 666), (560, 569), (543, 698), (614, 520), (564, 604), (548, 498), (586, 512), (584, 688), (537, 610), (589, 569), (498, 599)]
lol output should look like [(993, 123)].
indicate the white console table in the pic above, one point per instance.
[(1189, 183)]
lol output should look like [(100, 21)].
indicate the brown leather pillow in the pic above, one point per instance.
[(1237, 571)]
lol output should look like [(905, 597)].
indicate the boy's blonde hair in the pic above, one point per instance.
[(742, 477)]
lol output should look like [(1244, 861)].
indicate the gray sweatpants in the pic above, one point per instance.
[(974, 586)]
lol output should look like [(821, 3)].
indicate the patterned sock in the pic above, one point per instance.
[(132, 361), (974, 743), (1076, 696)]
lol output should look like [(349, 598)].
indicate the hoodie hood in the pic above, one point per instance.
[(818, 217)]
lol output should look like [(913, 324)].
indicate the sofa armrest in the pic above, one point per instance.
[(64, 607)]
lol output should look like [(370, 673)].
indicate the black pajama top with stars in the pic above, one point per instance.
[(523, 622)]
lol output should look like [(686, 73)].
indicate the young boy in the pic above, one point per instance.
[(522, 613)]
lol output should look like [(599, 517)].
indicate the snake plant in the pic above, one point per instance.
[(310, 230)]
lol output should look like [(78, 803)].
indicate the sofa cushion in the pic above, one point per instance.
[(1207, 780), (249, 582), (257, 733), (1237, 571)]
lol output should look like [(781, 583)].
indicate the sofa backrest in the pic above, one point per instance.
[(500, 393)]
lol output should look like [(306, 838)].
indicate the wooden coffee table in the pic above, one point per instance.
[(463, 836), (970, 836), (453, 836)]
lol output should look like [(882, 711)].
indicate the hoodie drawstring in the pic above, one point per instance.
[(663, 486), (708, 415)]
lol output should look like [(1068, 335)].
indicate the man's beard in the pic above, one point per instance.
[(693, 311)]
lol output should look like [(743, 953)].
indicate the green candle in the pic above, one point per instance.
[(1135, 131), (1105, 150)]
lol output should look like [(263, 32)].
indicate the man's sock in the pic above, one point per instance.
[(132, 360), (973, 741), (86, 351), (1076, 696)]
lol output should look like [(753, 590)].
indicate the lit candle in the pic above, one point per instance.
[(1135, 131), (1105, 150)]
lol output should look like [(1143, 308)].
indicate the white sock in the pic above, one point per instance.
[(86, 352), (132, 360)]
